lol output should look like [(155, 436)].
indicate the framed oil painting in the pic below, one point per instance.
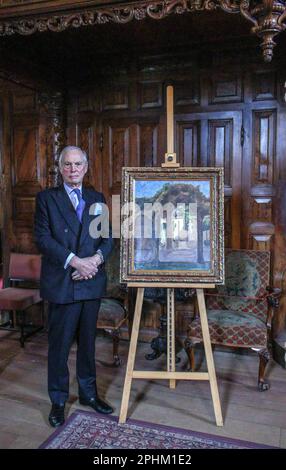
[(172, 225)]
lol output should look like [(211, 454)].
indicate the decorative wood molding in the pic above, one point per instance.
[(53, 105), (267, 16), (269, 19)]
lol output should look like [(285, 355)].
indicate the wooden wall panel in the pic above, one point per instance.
[(25, 164), (28, 145), (225, 88), (186, 92), (84, 140), (264, 132), (188, 142), (262, 209), (150, 94), (148, 142), (115, 96), (116, 154), (23, 102), (264, 85), (220, 149)]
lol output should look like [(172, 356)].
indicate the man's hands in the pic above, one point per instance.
[(85, 268)]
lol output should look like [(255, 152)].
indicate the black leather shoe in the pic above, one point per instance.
[(57, 415), (97, 404)]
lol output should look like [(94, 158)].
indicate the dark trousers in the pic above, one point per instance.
[(67, 322)]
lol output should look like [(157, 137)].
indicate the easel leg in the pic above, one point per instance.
[(171, 334), (131, 355), (209, 357)]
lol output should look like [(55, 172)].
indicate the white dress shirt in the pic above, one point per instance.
[(74, 200)]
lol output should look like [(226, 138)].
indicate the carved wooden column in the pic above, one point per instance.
[(54, 107)]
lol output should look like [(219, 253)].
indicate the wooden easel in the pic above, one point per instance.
[(170, 374)]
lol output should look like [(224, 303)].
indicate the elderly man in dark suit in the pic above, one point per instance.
[(73, 279)]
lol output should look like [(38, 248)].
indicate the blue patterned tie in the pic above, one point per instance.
[(81, 204)]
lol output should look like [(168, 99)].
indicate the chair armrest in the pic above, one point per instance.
[(273, 296)]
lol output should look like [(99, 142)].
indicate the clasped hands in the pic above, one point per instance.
[(85, 268)]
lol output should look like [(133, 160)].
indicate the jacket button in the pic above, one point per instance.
[(66, 230)]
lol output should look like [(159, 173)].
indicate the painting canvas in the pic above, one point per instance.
[(172, 225)]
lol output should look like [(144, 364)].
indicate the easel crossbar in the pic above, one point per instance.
[(138, 374)]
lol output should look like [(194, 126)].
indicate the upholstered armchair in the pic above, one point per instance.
[(240, 312), (113, 312)]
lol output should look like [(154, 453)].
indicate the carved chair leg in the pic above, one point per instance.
[(115, 339), (189, 348), (264, 357)]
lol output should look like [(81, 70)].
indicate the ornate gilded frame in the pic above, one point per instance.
[(176, 271)]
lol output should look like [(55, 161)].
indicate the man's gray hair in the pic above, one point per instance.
[(71, 148)]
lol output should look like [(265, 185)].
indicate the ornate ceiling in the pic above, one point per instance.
[(268, 17)]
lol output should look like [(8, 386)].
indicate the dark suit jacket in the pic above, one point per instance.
[(57, 232)]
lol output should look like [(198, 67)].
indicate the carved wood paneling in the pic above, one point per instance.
[(188, 143), (260, 242), (25, 206), (56, 16), (187, 92), (85, 102), (116, 97), (226, 88), (84, 140), (262, 209), (264, 85), (264, 133), (25, 164), (148, 141), (261, 235), (150, 94), (116, 155), (220, 150), (24, 102)]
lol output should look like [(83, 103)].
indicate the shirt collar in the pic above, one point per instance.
[(69, 190)]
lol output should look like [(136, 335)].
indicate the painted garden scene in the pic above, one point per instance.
[(177, 215)]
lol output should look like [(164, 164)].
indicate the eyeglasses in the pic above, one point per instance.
[(68, 165)]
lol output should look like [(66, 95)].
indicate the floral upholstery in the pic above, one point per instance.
[(237, 312), (233, 329), (240, 312), (246, 279)]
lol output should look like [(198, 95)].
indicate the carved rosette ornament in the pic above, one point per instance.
[(268, 17)]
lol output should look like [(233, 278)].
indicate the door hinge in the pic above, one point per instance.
[(242, 135)]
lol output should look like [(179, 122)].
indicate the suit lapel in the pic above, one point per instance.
[(66, 209)]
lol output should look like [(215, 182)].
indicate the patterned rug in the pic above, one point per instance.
[(88, 430)]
